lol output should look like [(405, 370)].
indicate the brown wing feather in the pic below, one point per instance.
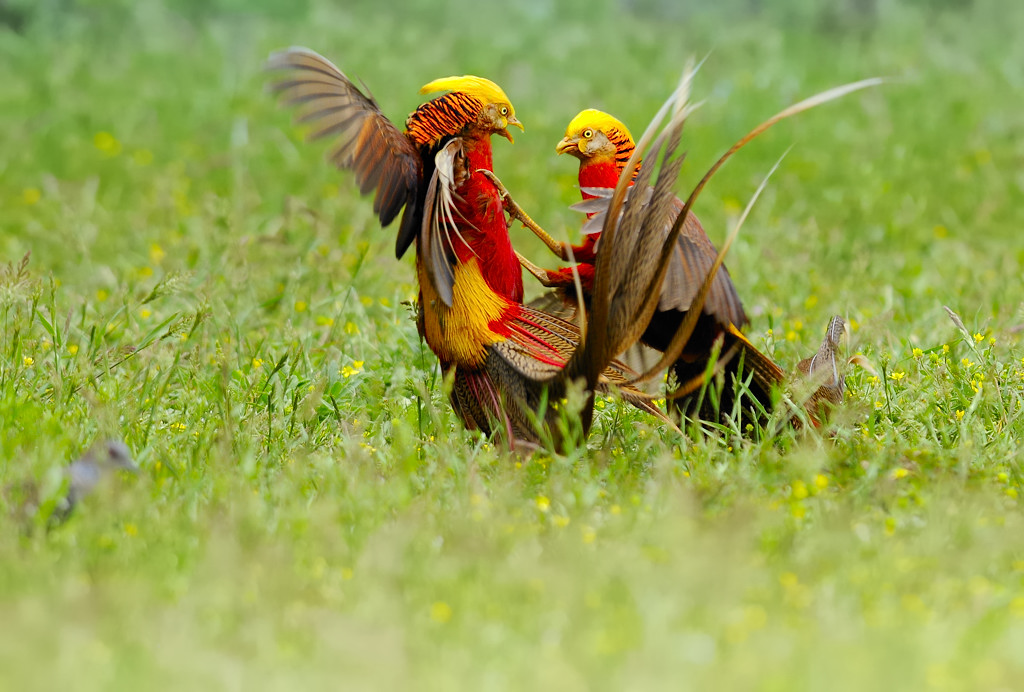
[(380, 155), (694, 256)]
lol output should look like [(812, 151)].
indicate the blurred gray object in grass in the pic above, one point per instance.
[(85, 473)]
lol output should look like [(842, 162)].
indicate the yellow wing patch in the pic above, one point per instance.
[(460, 334)]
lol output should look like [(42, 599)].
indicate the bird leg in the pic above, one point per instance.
[(540, 274), (516, 212)]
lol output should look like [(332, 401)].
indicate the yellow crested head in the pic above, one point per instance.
[(593, 119), (482, 89)]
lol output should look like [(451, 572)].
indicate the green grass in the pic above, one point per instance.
[(310, 513)]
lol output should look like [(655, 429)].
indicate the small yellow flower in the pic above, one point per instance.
[(385, 302), (940, 231), (898, 473), (560, 521), (821, 481), (347, 573), (145, 313), (1017, 606), (107, 143), (811, 301), (29, 361), (440, 612), (543, 503), (351, 328), (131, 530), (799, 490), (101, 295), (73, 349), (615, 509), (788, 580), (178, 426), (979, 337), (367, 301), (960, 414), (790, 335), (916, 352), (588, 534), (31, 195), (945, 348), (897, 376), (324, 321), (257, 362), (156, 253), (798, 510), (348, 371), (1011, 492), (966, 362), (300, 306)]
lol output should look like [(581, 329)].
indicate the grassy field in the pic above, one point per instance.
[(309, 511)]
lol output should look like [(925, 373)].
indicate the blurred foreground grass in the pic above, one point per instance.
[(310, 512)]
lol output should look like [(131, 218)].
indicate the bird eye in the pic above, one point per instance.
[(504, 110), (587, 134)]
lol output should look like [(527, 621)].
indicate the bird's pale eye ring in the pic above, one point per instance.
[(587, 134), (504, 110)]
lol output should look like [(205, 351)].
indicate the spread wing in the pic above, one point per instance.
[(439, 231), (693, 257), (381, 156)]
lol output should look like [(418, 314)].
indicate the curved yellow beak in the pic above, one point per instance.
[(511, 121), (566, 144)]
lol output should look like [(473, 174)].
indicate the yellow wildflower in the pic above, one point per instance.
[(107, 143), (440, 612), (31, 195)]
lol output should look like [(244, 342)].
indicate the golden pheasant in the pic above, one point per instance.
[(705, 311), (603, 146), (506, 360)]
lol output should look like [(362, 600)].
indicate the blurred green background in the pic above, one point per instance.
[(310, 512)]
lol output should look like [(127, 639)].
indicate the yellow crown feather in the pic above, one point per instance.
[(477, 87), (594, 119)]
